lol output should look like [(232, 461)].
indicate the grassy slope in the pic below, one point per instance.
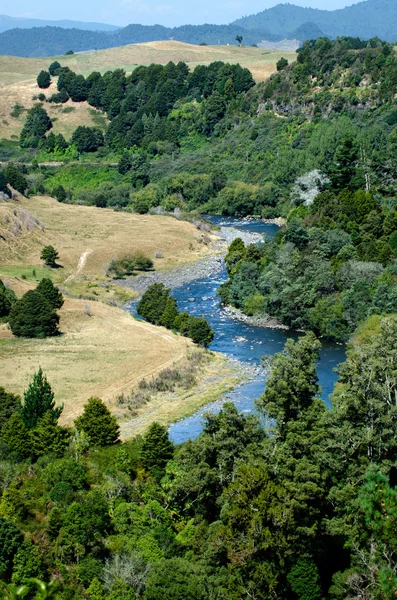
[(103, 351), (100, 234), (18, 75)]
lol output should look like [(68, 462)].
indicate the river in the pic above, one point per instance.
[(241, 341)]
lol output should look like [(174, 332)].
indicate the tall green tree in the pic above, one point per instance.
[(49, 255), (157, 449), (38, 400), (97, 422), (50, 292), (292, 383)]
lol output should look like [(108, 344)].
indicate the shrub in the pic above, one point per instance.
[(54, 68), (7, 299), (128, 264), (200, 331), (44, 80), (15, 178)]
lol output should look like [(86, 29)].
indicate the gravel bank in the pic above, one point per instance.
[(203, 268), (260, 321)]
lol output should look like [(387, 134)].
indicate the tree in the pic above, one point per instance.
[(98, 423), (37, 124), (44, 80), (7, 299), (157, 449), (292, 383), (200, 331), (9, 404), (153, 303), (125, 163), (175, 579), (3, 182), (282, 64), (33, 317), (49, 438), (239, 39), (15, 178), (54, 68), (49, 255), (60, 193), (87, 139), (38, 400), (51, 293), (11, 540), (170, 313)]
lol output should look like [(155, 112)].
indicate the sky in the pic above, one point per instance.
[(150, 12)]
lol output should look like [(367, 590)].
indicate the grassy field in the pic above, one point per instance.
[(91, 236), (18, 76), (102, 351)]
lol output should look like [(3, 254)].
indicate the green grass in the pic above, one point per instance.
[(27, 272), (82, 177)]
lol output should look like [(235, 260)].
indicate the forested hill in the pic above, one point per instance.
[(365, 20), (53, 41), (7, 22)]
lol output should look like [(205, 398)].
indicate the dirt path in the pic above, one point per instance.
[(80, 266)]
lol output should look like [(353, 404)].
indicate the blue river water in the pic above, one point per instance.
[(243, 342)]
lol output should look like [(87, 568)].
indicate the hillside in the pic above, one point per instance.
[(365, 20), (49, 41), (18, 76)]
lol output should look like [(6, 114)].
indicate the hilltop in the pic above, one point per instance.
[(7, 23), (18, 76)]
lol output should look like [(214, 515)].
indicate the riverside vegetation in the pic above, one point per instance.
[(305, 507)]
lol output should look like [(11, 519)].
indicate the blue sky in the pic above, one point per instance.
[(150, 12)]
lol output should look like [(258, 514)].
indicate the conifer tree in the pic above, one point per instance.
[(38, 400), (50, 292), (170, 313), (99, 425), (33, 317), (157, 449)]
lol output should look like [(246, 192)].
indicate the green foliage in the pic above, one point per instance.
[(128, 264), (157, 449), (54, 68), (200, 331), (97, 422), (33, 317), (44, 80), (38, 400), (9, 404), (36, 126), (15, 178), (11, 541), (282, 64), (87, 139), (51, 293), (292, 383), (7, 299), (153, 303), (175, 578), (50, 256)]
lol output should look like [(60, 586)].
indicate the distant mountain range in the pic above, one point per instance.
[(7, 23), (365, 20), (283, 22)]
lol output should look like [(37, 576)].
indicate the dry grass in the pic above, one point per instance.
[(103, 353), (18, 75), (102, 234)]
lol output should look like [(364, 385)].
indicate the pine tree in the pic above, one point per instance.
[(38, 400), (51, 293), (33, 317), (9, 404), (157, 449), (99, 425), (49, 255)]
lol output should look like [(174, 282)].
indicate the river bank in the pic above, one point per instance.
[(255, 321), (183, 275)]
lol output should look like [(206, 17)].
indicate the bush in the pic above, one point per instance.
[(44, 80), (128, 264), (33, 317), (15, 178), (54, 68), (200, 331)]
